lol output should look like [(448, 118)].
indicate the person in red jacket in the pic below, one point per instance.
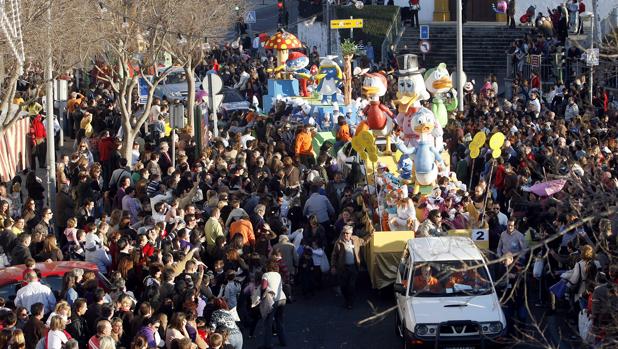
[(37, 141)]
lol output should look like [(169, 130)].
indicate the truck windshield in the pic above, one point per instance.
[(450, 278)]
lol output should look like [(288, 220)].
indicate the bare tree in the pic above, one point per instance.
[(198, 21), (137, 34), (74, 41)]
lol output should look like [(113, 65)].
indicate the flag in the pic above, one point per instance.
[(14, 149)]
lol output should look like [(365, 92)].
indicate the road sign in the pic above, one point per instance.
[(346, 23), (215, 80), (592, 57), (424, 32), (535, 61), (424, 46), (142, 88), (250, 17)]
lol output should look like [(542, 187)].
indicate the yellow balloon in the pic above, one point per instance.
[(479, 139), (496, 153), (474, 153), (497, 140)]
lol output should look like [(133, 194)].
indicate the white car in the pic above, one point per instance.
[(445, 294)]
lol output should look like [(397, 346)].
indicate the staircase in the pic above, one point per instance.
[(484, 46)]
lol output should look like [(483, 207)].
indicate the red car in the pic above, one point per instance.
[(51, 274)]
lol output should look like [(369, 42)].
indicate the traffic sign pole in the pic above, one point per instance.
[(351, 30), (211, 104)]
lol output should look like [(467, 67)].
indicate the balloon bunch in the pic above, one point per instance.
[(500, 7), (477, 143), (495, 144)]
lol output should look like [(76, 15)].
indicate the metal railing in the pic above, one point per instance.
[(392, 35), (548, 70)]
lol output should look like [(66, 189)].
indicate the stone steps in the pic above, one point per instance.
[(484, 47)]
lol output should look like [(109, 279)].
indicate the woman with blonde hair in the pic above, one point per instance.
[(107, 342), (71, 231), (50, 251), (18, 341), (583, 274), (63, 309), (56, 337)]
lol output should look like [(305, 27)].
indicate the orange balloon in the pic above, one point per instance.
[(362, 126)]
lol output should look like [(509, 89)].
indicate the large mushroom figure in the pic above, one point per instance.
[(281, 42)]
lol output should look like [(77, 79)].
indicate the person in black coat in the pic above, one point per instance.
[(21, 251), (509, 277), (78, 327), (7, 240), (65, 209)]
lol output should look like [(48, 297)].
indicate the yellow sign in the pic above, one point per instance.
[(346, 23), (479, 236)]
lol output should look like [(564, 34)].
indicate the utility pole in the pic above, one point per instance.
[(590, 83), (460, 82), (327, 25), (49, 100)]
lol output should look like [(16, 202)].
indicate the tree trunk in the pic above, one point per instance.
[(347, 79), (190, 74), (127, 144)]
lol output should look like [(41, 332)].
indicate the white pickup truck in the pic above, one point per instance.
[(445, 295)]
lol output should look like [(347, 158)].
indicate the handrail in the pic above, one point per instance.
[(392, 34)]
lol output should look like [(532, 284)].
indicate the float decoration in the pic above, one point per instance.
[(410, 91), (364, 144), (348, 49), (378, 115), (296, 66), (439, 82), (330, 76), (281, 43), (426, 155)]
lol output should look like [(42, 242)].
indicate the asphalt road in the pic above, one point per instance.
[(321, 322)]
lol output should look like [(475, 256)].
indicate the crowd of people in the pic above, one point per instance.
[(196, 254)]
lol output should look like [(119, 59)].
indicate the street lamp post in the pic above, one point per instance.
[(591, 16), (49, 101), (460, 82)]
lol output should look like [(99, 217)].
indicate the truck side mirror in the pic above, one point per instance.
[(399, 288)]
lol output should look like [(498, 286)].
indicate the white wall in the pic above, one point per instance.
[(426, 14), (317, 35)]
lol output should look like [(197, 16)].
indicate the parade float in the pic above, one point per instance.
[(403, 179)]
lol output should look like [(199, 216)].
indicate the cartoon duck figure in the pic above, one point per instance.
[(411, 90), (378, 115), (439, 82), (296, 66), (426, 155), (330, 77)]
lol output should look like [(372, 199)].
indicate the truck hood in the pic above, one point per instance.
[(433, 310)]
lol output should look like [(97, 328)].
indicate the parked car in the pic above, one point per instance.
[(51, 274), (445, 295), (175, 86), (233, 100)]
